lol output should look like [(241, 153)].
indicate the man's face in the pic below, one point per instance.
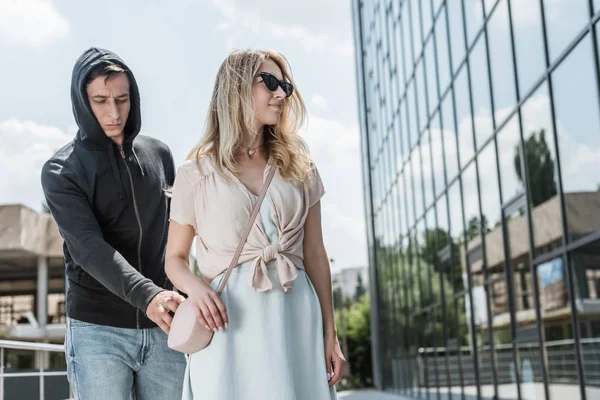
[(110, 104)]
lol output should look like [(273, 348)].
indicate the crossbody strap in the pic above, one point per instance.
[(249, 225)]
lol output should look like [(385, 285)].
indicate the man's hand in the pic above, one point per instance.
[(159, 307)]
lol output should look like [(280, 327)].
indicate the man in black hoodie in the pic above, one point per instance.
[(106, 191)]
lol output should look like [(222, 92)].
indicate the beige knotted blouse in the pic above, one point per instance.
[(218, 209)]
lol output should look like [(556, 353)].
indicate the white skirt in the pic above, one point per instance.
[(273, 348)]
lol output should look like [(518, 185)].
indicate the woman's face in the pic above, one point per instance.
[(267, 104)]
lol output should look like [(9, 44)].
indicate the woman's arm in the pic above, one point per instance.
[(210, 309), (316, 264)]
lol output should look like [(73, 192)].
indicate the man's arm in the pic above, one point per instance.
[(83, 237)]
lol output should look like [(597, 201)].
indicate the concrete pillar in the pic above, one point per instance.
[(42, 291)]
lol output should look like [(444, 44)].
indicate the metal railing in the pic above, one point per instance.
[(41, 352), (428, 368)]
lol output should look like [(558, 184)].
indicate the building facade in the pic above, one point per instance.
[(480, 146)]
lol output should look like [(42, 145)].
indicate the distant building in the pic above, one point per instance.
[(347, 280), (32, 276)]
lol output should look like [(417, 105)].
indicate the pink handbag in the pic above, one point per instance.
[(187, 335)]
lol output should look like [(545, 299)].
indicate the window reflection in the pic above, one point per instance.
[(529, 45), (473, 18), (408, 57), (437, 155), (416, 27), (457, 36), (412, 115), (443, 56), (463, 117), (421, 94), (503, 80), (585, 264), (567, 19), (432, 95), (542, 171), (576, 108), (449, 137), (417, 175), (482, 107), (427, 169), (508, 140)]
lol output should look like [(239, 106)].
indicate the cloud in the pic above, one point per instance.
[(335, 149), (31, 22), (26, 146), (320, 102), (252, 22)]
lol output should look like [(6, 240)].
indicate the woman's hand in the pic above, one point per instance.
[(334, 359), (210, 310)]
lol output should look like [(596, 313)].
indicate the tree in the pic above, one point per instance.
[(360, 287), (358, 328), (540, 168)]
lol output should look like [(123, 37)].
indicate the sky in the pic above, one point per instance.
[(174, 49)]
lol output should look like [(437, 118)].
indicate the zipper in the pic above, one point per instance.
[(137, 215)]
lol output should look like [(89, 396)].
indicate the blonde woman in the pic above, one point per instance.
[(275, 334)]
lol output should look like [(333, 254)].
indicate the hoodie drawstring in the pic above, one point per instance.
[(137, 160), (115, 171)]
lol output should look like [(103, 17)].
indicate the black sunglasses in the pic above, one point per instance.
[(272, 83)]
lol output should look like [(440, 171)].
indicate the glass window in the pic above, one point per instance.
[(443, 58), (402, 203), (422, 93), (578, 128), (417, 173), (410, 201), (490, 203), (585, 264), (564, 20), (456, 232), (405, 131), (542, 171), (529, 45), (416, 27), (426, 167), (411, 94), (427, 17), (503, 79), (432, 95), (474, 18), (463, 117), (449, 137), (471, 203), (407, 40), (457, 35), (480, 89), (398, 57), (508, 144), (437, 155)]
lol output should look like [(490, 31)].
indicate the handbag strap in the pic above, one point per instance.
[(249, 225)]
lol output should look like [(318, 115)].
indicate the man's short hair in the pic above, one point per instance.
[(105, 68)]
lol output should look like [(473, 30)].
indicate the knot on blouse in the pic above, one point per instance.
[(286, 270), (269, 253)]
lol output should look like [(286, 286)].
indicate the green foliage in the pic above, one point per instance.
[(357, 325), (540, 168)]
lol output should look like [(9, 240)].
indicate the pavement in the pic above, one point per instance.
[(368, 395)]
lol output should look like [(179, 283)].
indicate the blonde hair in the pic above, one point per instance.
[(231, 116)]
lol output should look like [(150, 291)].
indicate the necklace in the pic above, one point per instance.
[(252, 150)]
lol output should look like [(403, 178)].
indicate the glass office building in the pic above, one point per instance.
[(480, 142)]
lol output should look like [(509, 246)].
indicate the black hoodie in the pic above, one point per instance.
[(111, 210)]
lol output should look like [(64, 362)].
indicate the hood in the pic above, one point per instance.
[(90, 132)]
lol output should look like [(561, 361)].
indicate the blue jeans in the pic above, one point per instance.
[(104, 362)]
